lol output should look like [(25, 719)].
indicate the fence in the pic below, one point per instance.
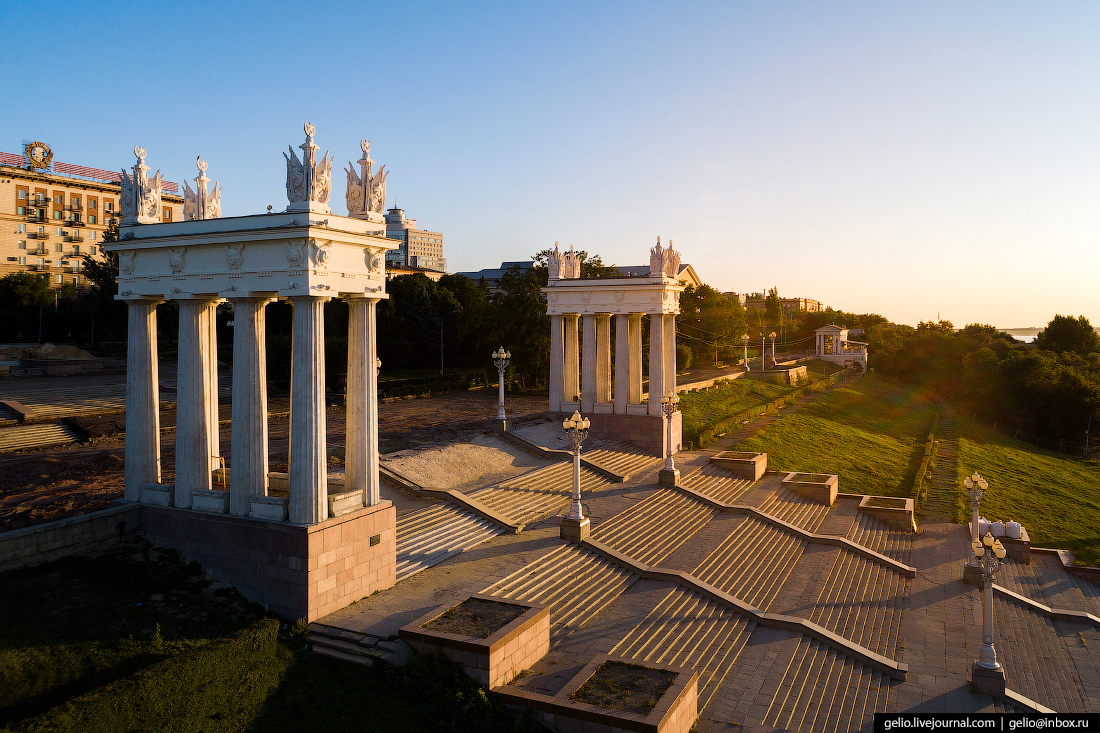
[(713, 432), (926, 462), (1000, 426)]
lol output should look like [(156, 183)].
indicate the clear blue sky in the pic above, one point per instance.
[(902, 158)]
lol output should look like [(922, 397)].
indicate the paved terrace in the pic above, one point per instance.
[(882, 598)]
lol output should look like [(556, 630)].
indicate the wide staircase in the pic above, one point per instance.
[(538, 494), (653, 528), (717, 483), (623, 458), (431, 535), (793, 509), (753, 563), (939, 505)]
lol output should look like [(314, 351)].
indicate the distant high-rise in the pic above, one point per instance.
[(418, 248)]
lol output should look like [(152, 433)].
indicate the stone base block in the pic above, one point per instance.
[(214, 502), (668, 478), (346, 503), (648, 432), (270, 508), (972, 575), (573, 530), (157, 494), (295, 570), (987, 681), (499, 426)]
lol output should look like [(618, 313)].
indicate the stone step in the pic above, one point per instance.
[(718, 483), (824, 690), (623, 458), (429, 536), (524, 507), (38, 435), (752, 563), (687, 630), (344, 656), (791, 508), (574, 582), (876, 535), (653, 528)]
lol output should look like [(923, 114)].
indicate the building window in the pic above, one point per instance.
[(168, 215), (57, 214), (22, 260), (22, 244), (76, 249), (91, 203), (91, 236), (75, 201), (108, 206), (110, 221), (59, 198), (60, 232), (76, 279), (41, 261), (41, 230), (21, 210), (93, 249), (76, 264), (91, 218), (23, 195), (22, 228), (60, 279), (59, 247)]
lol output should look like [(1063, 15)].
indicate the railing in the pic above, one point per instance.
[(76, 237), (75, 223), (39, 235), (36, 217)]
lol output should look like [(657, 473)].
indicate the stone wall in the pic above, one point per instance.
[(295, 570), (52, 540)]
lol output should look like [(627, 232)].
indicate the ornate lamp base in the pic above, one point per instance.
[(984, 681), (668, 478), (575, 530), (972, 574)]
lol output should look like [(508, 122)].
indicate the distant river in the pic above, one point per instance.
[(1026, 335)]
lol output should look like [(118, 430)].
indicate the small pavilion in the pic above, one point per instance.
[(834, 345), (581, 375), (296, 542)]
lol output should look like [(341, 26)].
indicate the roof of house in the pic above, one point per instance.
[(687, 273), (830, 328), (496, 273)]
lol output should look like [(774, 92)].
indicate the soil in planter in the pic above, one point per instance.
[(476, 617), (882, 502), (631, 688)]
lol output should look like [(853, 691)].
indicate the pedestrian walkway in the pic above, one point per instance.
[(940, 504)]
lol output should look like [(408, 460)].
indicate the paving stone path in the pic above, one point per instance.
[(939, 506)]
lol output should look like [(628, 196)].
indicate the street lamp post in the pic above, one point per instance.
[(988, 676), (1087, 428), (500, 358), (772, 337), (976, 487), (745, 343), (669, 475), (761, 349), (576, 526)]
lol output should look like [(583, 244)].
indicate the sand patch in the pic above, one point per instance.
[(482, 461)]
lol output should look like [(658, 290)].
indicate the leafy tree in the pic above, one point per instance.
[(591, 265), (24, 290), (1068, 334), (773, 306)]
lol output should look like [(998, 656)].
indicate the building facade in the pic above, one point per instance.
[(53, 213), (790, 305), (417, 247)]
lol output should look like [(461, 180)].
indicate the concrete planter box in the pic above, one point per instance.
[(819, 487), (894, 510), (675, 712), (492, 661), (750, 465)]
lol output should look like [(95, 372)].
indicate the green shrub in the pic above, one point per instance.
[(683, 356), (217, 687)]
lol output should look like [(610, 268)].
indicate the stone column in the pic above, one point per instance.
[(670, 353), (142, 398), (248, 449), (603, 358), (572, 359), (361, 440), (192, 402), (557, 365), (656, 363), (588, 363), (622, 363), (210, 333), (308, 458), (635, 370)]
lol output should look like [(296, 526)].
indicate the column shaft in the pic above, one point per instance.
[(210, 368), (656, 363), (557, 365), (622, 363), (588, 363), (308, 458), (248, 459), (634, 374), (192, 413), (572, 359), (361, 444), (603, 358), (670, 353), (142, 398)]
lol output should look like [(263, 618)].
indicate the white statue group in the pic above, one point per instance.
[(308, 186)]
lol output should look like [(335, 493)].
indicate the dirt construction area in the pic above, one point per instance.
[(416, 435)]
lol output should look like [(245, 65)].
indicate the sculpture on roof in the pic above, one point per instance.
[(366, 194), (309, 181), (563, 265), (199, 204), (664, 262), (140, 196)]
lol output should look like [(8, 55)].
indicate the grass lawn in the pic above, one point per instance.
[(705, 408), (871, 433), (1055, 497), (136, 639)]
